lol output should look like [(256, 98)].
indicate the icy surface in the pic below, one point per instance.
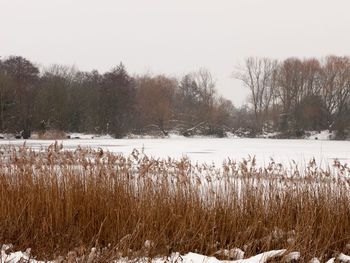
[(211, 150)]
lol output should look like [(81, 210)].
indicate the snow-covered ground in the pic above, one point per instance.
[(19, 256), (282, 255), (322, 135), (214, 150)]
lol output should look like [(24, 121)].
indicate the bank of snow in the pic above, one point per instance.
[(279, 255), (16, 257), (322, 135)]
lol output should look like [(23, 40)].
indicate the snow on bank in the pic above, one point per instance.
[(88, 136), (19, 256), (197, 258), (344, 258), (277, 255), (322, 135), (310, 135)]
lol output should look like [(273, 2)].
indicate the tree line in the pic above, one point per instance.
[(66, 99), (296, 95), (290, 96)]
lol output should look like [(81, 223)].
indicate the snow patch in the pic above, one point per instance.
[(291, 257), (314, 260), (7, 136), (322, 135), (260, 258), (343, 258), (85, 136), (234, 253), (19, 256)]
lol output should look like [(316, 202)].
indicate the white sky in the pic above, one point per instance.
[(173, 36)]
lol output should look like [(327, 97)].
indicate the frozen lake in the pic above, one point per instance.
[(212, 150)]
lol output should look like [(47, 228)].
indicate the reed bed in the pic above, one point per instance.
[(56, 201)]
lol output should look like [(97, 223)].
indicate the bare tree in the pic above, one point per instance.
[(6, 98), (25, 77), (206, 86), (311, 74), (206, 90), (259, 75), (336, 88), (155, 101)]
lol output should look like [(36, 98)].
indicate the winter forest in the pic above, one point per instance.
[(288, 97)]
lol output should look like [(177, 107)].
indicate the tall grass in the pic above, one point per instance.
[(55, 200)]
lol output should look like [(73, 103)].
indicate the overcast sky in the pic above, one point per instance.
[(173, 36)]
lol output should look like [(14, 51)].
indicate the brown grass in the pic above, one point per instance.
[(55, 200)]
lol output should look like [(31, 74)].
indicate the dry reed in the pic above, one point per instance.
[(55, 200)]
